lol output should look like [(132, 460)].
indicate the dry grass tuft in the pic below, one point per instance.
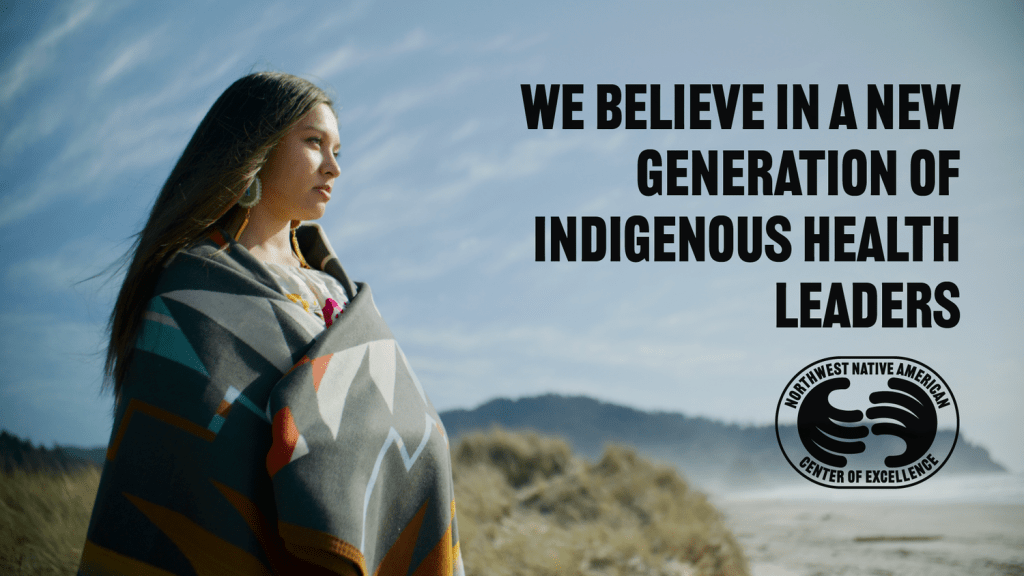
[(43, 520), (526, 506), (520, 458)]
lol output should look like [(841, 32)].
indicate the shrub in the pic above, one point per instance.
[(527, 506)]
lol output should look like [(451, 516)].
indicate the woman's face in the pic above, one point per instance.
[(300, 171)]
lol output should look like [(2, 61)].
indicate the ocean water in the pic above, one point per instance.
[(977, 488)]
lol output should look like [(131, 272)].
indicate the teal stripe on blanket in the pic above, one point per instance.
[(163, 340)]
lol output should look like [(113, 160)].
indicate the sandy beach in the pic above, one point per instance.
[(819, 537)]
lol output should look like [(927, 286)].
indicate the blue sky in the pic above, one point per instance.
[(442, 181)]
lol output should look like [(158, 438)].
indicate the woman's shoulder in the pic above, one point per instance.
[(214, 263)]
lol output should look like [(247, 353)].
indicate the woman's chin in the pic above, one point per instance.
[(314, 213)]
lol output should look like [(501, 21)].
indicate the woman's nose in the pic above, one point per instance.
[(330, 166)]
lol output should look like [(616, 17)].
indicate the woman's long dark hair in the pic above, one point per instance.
[(219, 163)]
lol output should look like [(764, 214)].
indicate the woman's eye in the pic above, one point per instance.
[(314, 140)]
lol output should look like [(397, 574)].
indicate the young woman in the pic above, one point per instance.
[(266, 421)]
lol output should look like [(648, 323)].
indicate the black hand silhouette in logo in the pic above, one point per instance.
[(915, 414), (816, 424)]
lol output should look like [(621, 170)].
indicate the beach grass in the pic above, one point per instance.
[(525, 504), (43, 520)]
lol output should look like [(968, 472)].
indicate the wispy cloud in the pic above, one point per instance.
[(526, 157), (100, 140), (398, 102), (133, 54), (82, 265), (454, 255), (130, 143), (350, 56), (376, 161), (513, 43), (36, 123), (385, 200), (33, 62)]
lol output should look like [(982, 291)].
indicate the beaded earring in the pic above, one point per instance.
[(252, 194)]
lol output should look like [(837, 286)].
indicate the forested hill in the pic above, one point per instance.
[(18, 454), (709, 451)]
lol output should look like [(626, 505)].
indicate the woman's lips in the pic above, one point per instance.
[(325, 190)]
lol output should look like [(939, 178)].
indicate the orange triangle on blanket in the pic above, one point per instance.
[(208, 554), (319, 369), (285, 436), (439, 562)]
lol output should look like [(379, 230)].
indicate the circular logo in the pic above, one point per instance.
[(867, 422)]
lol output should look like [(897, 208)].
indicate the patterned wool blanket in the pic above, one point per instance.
[(250, 440)]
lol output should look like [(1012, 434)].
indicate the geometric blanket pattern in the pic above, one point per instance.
[(250, 440)]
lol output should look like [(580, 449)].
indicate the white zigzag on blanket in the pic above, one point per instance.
[(407, 460)]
